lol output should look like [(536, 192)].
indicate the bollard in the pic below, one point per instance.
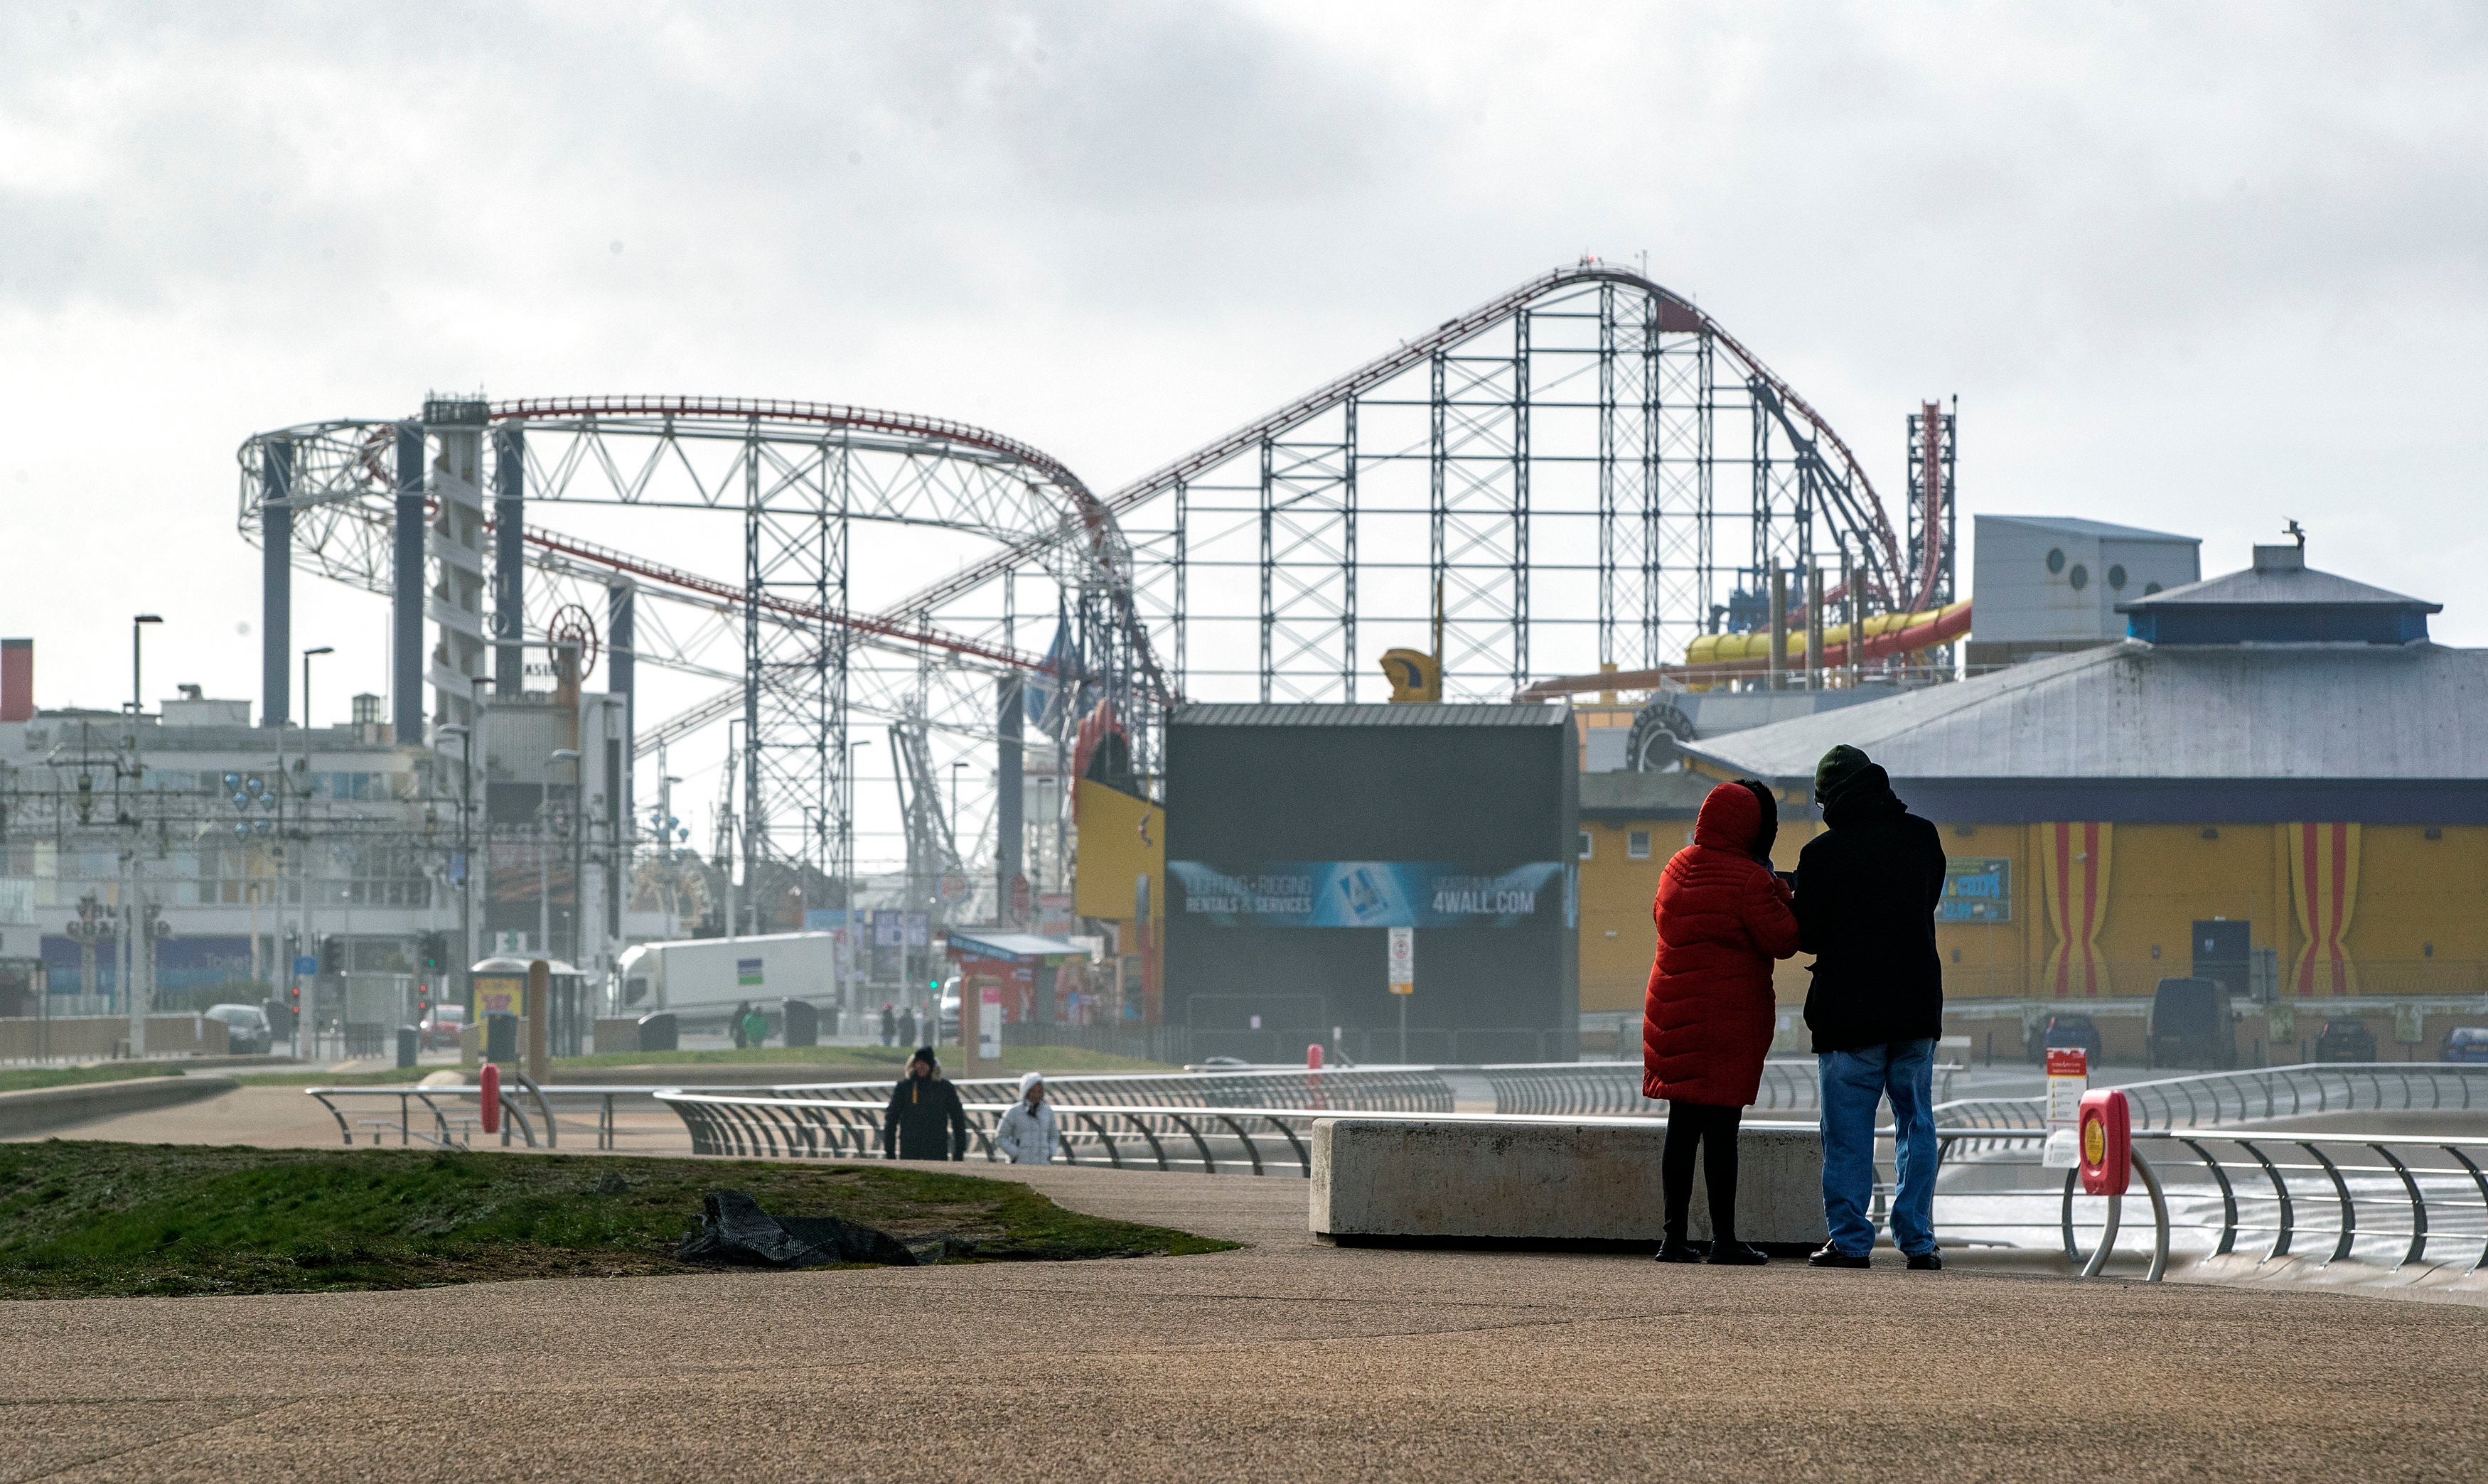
[(1313, 1057), (491, 1099)]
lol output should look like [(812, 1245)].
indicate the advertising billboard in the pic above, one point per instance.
[(1365, 893)]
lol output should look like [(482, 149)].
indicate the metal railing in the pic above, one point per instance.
[(1594, 1088), (514, 1118), (1363, 1089), (2276, 1092), (1207, 1140)]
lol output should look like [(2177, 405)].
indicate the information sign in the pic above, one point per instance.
[(989, 1022), (2068, 1079), (1404, 961)]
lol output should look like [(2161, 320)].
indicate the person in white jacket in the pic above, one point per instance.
[(1029, 1134)]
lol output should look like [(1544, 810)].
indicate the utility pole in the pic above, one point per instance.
[(133, 916)]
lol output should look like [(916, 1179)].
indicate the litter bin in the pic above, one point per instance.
[(406, 1038), (658, 1032), (803, 1024), (501, 1039)]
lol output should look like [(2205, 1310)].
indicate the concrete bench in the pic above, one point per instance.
[(1556, 1183)]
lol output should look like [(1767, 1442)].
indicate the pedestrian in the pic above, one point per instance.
[(734, 1023), (755, 1028), (1866, 894), (907, 1027), (888, 1024), (1029, 1134), (925, 1120), (1722, 917)]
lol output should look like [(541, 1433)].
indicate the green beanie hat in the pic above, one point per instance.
[(1838, 767)]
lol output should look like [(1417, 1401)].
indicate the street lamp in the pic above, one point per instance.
[(577, 835), (465, 857), (136, 702), (325, 649)]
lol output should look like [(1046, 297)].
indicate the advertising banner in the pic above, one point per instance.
[(1367, 894), (1976, 890)]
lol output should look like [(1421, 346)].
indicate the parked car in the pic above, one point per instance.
[(2467, 1043), (2069, 1032), (2190, 1026), (442, 1028), (246, 1032), (950, 1014), (2345, 1038)]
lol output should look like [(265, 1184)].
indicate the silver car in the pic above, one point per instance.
[(246, 1031)]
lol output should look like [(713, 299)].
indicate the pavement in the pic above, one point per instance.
[(1288, 1358)]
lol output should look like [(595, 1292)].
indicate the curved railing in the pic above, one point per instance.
[(1203, 1139), (1602, 1088), (1360, 1089), (2263, 1093)]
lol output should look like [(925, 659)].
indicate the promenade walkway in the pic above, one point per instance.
[(1286, 1360)]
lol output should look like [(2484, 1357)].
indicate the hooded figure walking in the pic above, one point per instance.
[(1707, 1022), (1030, 1134), (1866, 895), (924, 1120)]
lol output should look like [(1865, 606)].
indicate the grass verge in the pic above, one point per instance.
[(23, 1078), (88, 1220)]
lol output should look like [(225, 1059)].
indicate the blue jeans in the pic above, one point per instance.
[(1854, 1083)]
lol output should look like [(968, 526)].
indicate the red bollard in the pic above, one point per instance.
[(1313, 1057), (491, 1099)]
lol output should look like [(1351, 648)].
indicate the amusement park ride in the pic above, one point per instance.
[(1580, 478)]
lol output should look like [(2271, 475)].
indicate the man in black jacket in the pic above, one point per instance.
[(923, 1108), (1866, 893)]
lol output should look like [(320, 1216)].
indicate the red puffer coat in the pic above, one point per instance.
[(1722, 919)]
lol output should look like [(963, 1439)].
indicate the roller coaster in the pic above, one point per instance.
[(1581, 474)]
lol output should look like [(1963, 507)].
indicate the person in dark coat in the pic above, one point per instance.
[(1707, 1022), (1866, 894), (735, 1025), (888, 1024), (925, 1120), (907, 1027)]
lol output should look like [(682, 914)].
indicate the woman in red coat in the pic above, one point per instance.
[(1722, 919)]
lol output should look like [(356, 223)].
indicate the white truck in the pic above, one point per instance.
[(709, 976)]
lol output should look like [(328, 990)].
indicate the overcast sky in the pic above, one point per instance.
[(2201, 267)]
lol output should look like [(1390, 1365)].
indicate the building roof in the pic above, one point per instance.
[(2078, 526), (2135, 711), (1637, 796), (2276, 585), (1384, 714), (992, 944)]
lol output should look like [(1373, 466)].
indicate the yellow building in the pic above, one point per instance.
[(2279, 748)]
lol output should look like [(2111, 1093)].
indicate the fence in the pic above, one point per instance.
[(79, 1038), (2278, 1092)]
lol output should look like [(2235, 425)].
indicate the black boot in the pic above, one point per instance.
[(1676, 1249), (1729, 1252)]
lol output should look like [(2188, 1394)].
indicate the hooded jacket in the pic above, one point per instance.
[(1722, 919), (922, 1111), (1028, 1136), (1866, 894)]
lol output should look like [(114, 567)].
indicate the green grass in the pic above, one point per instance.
[(21, 1078), (83, 1219)]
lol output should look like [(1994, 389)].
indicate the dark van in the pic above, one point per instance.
[(2189, 1026)]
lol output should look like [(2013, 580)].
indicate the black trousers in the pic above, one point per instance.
[(1710, 1131)]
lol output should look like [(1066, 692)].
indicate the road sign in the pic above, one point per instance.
[(1404, 961), (305, 964)]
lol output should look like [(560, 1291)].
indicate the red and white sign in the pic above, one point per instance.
[(2068, 1079), (1404, 961)]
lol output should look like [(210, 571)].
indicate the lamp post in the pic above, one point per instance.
[(846, 874), (325, 649), (465, 857), (577, 835), (136, 953), (305, 1019)]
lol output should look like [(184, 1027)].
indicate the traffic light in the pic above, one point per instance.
[(433, 948), (332, 955), (423, 1002)]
